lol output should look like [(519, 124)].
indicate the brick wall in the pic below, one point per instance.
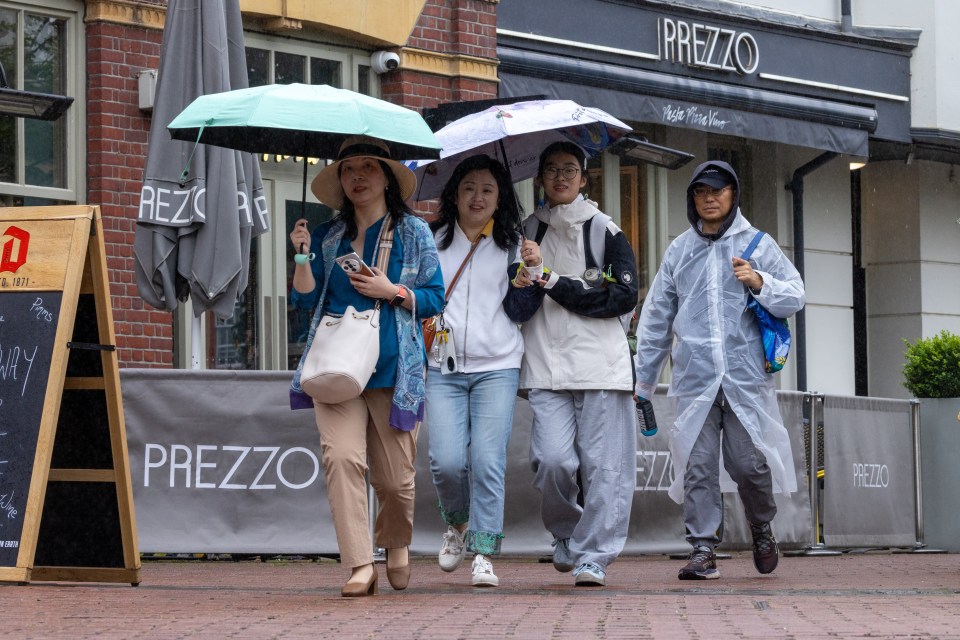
[(117, 137), (465, 27)]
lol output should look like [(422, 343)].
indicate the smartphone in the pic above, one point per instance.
[(352, 263)]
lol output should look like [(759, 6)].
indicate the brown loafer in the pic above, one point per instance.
[(398, 577), (361, 589)]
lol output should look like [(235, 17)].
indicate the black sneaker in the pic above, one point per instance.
[(766, 552), (702, 565)]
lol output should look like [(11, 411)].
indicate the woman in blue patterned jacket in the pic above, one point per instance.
[(376, 432)]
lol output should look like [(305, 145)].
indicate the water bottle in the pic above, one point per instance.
[(645, 417)]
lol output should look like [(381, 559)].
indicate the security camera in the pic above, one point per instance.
[(383, 61)]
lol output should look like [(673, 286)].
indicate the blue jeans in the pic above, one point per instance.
[(469, 420)]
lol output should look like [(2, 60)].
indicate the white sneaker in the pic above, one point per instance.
[(453, 549), (483, 575)]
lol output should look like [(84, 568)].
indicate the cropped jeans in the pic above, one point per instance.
[(470, 419)]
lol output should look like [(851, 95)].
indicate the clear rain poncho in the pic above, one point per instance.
[(698, 307)]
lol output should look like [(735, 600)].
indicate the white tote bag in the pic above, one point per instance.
[(342, 356)]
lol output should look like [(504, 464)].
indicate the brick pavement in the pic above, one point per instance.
[(865, 595)]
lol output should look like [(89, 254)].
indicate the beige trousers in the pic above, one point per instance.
[(356, 438)]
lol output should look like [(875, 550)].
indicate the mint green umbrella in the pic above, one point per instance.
[(302, 120)]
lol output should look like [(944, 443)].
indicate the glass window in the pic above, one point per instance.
[(288, 68), (633, 221), (8, 58), (43, 68), (258, 67), (33, 52), (325, 72), (236, 337), (363, 79)]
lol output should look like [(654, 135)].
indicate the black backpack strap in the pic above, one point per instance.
[(591, 261), (541, 231)]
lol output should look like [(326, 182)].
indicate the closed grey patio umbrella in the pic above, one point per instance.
[(200, 206)]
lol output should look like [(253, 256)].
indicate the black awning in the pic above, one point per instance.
[(644, 96)]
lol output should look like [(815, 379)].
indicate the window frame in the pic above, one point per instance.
[(74, 150)]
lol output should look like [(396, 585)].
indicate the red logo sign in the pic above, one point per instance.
[(13, 254)]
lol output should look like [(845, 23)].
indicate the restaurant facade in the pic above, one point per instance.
[(792, 101)]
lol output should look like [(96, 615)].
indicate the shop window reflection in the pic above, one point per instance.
[(232, 343), (633, 221)]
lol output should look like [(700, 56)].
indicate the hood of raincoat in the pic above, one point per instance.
[(693, 216)]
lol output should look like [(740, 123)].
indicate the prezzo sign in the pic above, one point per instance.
[(229, 466), (182, 207), (707, 47)]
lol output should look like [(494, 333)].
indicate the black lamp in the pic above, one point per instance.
[(30, 104), (637, 148)]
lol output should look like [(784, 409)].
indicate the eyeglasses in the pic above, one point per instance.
[(703, 192), (569, 172)]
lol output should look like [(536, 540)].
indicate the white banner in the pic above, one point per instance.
[(220, 464)]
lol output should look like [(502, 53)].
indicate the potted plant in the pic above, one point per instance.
[(932, 374)]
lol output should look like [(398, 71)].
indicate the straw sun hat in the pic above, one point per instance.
[(326, 186)]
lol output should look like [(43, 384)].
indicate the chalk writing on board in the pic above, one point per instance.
[(15, 364), (41, 312), (7, 508)]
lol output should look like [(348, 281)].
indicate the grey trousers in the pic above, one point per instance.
[(593, 433), (747, 466)]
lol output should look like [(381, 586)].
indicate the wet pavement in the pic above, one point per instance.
[(876, 594)]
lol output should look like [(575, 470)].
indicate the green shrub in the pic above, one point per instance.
[(932, 369)]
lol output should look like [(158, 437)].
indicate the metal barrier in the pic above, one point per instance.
[(871, 472)]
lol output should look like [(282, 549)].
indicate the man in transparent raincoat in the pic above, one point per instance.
[(725, 400)]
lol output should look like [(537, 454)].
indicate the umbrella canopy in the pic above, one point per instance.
[(194, 229), (302, 120), (515, 134)]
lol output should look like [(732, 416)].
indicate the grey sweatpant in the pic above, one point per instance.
[(747, 466), (595, 433)]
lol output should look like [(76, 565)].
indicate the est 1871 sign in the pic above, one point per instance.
[(66, 505)]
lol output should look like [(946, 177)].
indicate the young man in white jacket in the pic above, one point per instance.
[(577, 368)]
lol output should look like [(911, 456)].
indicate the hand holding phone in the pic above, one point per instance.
[(352, 263)]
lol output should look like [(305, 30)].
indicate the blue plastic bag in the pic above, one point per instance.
[(775, 333)]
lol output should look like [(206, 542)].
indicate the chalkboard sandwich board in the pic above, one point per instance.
[(66, 503)]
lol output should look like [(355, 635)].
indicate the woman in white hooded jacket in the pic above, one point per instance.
[(577, 368)]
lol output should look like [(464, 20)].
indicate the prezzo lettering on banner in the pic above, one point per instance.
[(654, 470), (707, 47), (182, 207), (871, 476), (231, 467)]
